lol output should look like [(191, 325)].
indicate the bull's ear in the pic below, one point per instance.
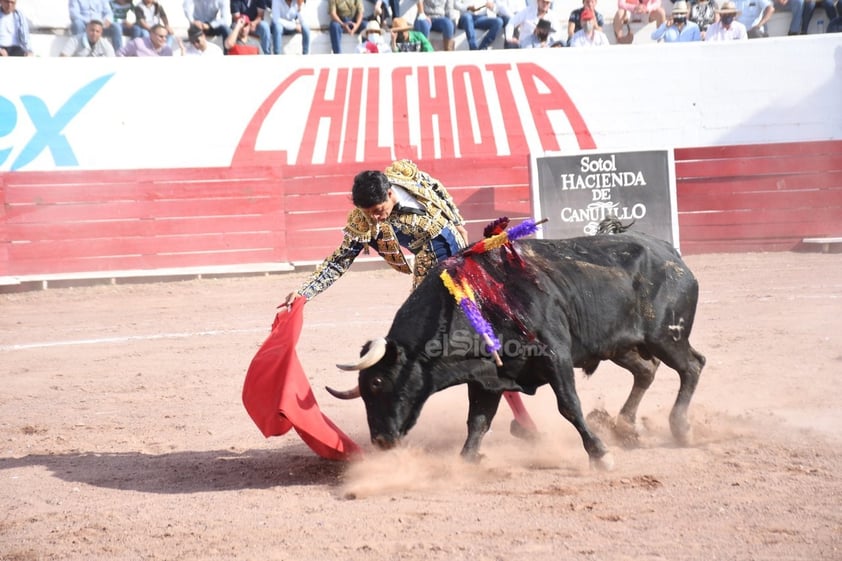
[(482, 372)]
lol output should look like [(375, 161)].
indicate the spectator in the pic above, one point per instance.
[(797, 9), (523, 24), (574, 23), (677, 28), (703, 13), (437, 15), (83, 11), (754, 14), (479, 16), (406, 40), (286, 17), (14, 31), (635, 11), (541, 37), (147, 14), (810, 7), (727, 28), (385, 11), (346, 16), (589, 35), (371, 39), (506, 10), (259, 26), (89, 43), (238, 41), (835, 25), (213, 16), (154, 45), (198, 44), (121, 10)]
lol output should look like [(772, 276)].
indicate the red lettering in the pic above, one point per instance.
[(467, 103), (435, 108), (371, 135), (324, 107), (555, 99), (400, 111), (512, 122), (352, 120), (245, 151)]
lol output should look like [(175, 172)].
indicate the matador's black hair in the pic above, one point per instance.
[(370, 189)]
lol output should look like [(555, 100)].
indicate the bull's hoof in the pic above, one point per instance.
[(604, 463), (683, 437), (625, 433), (519, 431), (680, 428), (472, 457)]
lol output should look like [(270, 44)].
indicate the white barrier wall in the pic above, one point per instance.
[(92, 114)]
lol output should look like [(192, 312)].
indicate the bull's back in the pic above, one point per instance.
[(609, 291)]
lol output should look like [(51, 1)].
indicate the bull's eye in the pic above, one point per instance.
[(376, 384)]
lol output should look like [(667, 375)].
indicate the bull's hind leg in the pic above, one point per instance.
[(482, 407), (688, 362), (643, 370), (689, 376), (564, 386)]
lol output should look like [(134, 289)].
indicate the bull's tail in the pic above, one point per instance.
[(613, 225)]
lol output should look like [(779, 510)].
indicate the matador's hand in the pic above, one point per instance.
[(464, 233), (289, 299)]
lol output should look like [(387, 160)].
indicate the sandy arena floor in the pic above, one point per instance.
[(123, 436)]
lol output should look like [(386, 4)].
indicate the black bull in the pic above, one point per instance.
[(554, 305)]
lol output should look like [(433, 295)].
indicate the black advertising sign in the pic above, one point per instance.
[(576, 192)]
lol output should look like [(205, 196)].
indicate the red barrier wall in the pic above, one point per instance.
[(732, 198), (764, 197)]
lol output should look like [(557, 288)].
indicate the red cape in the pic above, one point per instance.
[(278, 396)]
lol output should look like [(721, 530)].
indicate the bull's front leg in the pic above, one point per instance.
[(481, 411), (643, 371), (564, 386)]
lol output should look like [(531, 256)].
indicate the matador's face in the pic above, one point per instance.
[(381, 212)]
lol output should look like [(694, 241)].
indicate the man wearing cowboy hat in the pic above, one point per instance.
[(754, 14), (727, 28), (406, 40), (677, 28)]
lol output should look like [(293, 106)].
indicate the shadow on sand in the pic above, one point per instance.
[(188, 472)]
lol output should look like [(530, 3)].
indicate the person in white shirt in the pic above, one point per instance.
[(198, 44), (589, 35), (727, 28), (286, 17), (14, 31), (526, 20), (89, 43), (371, 39)]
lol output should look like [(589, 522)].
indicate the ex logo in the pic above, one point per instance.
[(48, 128)]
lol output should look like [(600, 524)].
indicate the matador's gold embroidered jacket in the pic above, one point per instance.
[(360, 231)]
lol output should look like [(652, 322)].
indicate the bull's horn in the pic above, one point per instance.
[(376, 350), (347, 394)]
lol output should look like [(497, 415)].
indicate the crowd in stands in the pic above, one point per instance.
[(255, 27)]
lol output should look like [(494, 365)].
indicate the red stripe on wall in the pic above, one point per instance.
[(730, 198)]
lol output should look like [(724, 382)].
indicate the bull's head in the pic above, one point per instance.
[(395, 383), (392, 387)]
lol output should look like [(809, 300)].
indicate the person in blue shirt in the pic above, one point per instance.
[(677, 28)]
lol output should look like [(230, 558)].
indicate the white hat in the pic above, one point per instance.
[(727, 8), (680, 7), (371, 27)]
